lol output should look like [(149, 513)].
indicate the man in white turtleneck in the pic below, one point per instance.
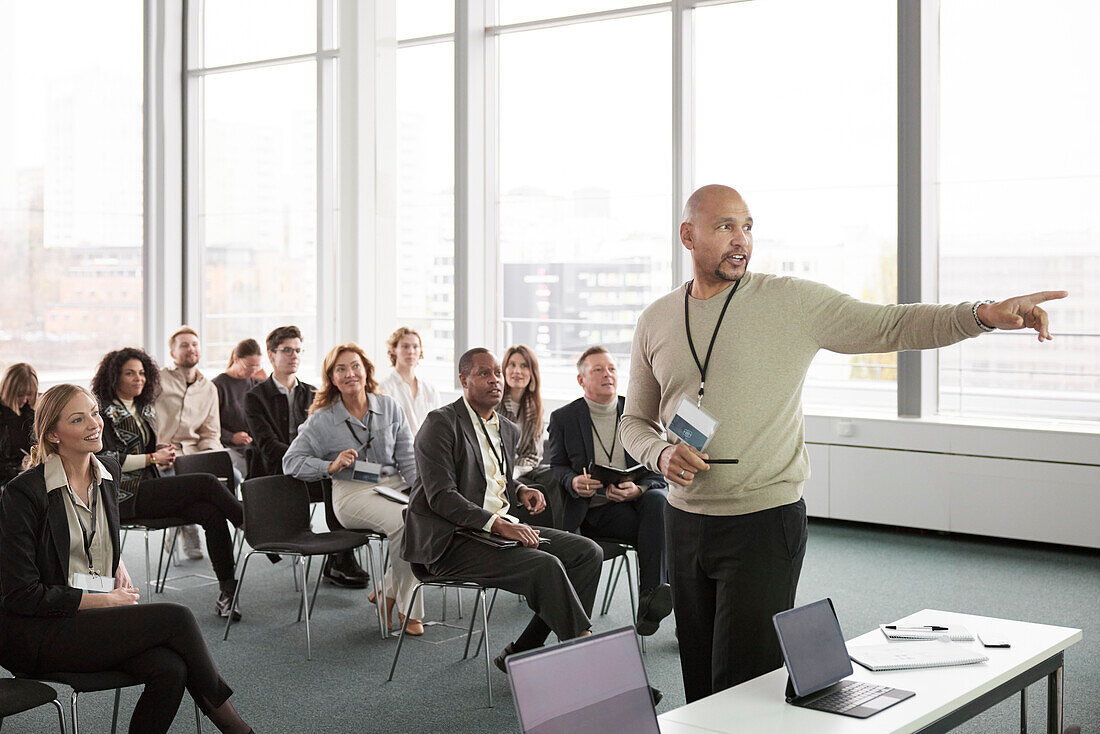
[(585, 432)]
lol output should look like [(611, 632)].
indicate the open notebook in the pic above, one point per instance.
[(905, 656)]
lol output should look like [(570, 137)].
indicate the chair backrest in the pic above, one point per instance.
[(276, 508), (217, 463)]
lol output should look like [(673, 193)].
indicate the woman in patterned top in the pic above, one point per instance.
[(126, 386)]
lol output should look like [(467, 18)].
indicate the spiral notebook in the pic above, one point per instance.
[(956, 633), (932, 654)]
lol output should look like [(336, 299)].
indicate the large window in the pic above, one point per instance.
[(584, 186), (425, 185), (796, 107), (70, 183), (255, 113), (1020, 175)]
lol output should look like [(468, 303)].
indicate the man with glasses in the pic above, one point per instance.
[(274, 410)]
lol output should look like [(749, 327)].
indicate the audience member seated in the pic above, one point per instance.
[(586, 432), (243, 373), (18, 391), (416, 396), (466, 453), (187, 412), (126, 386), (51, 622), (274, 410), (351, 430)]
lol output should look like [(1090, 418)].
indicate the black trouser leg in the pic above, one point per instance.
[(641, 523), (119, 638), (198, 498), (729, 576)]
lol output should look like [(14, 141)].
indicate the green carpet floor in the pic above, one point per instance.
[(872, 574)]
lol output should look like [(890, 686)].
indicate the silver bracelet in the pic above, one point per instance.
[(978, 321)]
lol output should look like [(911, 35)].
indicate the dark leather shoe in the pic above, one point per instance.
[(499, 659), (350, 567), (656, 695), (653, 605), (225, 601), (336, 575)]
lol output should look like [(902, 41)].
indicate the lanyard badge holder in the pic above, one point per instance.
[(90, 582), (362, 471), (692, 424)]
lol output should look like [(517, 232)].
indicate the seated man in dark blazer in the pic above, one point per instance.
[(274, 410), (585, 432), (465, 454)]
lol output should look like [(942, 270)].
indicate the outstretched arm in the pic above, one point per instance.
[(1021, 312)]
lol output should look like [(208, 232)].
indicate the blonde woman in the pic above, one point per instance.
[(348, 423), (18, 392), (68, 603), (416, 396)]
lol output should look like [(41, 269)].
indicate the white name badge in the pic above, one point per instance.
[(93, 584), (366, 471), (693, 425)]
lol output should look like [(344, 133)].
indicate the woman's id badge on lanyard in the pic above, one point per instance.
[(93, 583), (693, 425), (366, 471)]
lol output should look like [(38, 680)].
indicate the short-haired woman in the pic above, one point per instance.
[(416, 396), (243, 373), (348, 424), (51, 615), (126, 385), (18, 392)]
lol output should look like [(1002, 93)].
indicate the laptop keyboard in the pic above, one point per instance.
[(848, 697)]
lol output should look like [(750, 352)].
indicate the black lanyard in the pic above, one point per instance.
[(614, 436), (687, 326), (89, 535), (370, 431), (498, 457)]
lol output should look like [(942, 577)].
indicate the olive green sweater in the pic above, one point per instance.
[(771, 332)]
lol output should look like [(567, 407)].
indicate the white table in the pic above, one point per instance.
[(946, 697)]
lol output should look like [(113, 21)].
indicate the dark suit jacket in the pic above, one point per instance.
[(34, 544), (268, 419), (450, 487), (570, 451)]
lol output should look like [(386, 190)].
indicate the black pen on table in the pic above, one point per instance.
[(929, 627)]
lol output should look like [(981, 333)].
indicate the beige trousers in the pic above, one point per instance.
[(358, 506)]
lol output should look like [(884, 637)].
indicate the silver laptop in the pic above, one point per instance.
[(817, 661), (591, 685)]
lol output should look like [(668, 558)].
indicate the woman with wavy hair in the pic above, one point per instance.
[(18, 392), (359, 440), (522, 404), (68, 603), (126, 384)]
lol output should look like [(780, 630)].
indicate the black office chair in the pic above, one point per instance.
[(371, 535), (18, 695), (90, 683), (217, 463), (426, 579), (276, 520), (618, 553)]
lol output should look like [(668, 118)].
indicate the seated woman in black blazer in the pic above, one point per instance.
[(59, 546), (126, 386)]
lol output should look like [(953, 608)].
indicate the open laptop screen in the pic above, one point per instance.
[(813, 646), (591, 685)]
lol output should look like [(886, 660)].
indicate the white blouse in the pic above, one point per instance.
[(416, 409)]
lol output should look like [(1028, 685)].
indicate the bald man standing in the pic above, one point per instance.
[(737, 345)]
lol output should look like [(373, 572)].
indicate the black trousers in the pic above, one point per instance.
[(197, 498), (158, 644), (558, 580), (729, 575), (641, 523)]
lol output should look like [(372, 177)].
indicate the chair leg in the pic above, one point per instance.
[(470, 632), (114, 714), (198, 719), (60, 714), (444, 590), (633, 602), (401, 637), (375, 574), (72, 713), (316, 586), (485, 636), (305, 582), (148, 565), (237, 593), (612, 581), (305, 602), (492, 603)]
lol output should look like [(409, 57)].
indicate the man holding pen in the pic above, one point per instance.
[(733, 347)]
